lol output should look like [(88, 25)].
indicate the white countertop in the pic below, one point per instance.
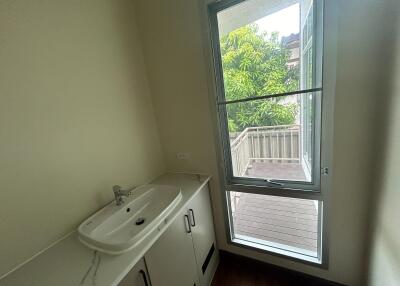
[(70, 263)]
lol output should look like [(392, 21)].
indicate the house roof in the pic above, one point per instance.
[(286, 41), (248, 12)]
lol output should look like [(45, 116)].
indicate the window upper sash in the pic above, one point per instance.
[(225, 105)]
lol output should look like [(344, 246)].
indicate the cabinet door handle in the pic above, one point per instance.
[(192, 215), (144, 277), (188, 227)]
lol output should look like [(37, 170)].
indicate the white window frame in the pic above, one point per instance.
[(323, 148), (282, 185)]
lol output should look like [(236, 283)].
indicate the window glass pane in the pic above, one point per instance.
[(306, 59), (307, 81), (260, 48), (284, 223), (272, 138), (307, 130)]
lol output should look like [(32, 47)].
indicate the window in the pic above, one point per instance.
[(268, 67), (288, 225)]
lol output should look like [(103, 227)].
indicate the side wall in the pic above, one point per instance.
[(75, 117), (172, 34), (384, 260)]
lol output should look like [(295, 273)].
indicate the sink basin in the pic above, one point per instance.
[(118, 229)]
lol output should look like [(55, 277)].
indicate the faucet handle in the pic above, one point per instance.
[(116, 188)]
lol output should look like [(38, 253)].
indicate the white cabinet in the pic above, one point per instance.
[(203, 236), (171, 259), (138, 276), (186, 254)]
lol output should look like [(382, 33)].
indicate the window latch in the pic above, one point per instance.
[(324, 171), (273, 183)]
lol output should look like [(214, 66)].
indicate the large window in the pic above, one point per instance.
[(268, 67)]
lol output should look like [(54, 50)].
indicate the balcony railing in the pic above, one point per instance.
[(271, 144)]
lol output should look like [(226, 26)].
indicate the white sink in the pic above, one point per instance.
[(118, 229)]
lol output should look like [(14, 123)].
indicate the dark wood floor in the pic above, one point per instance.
[(239, 271)]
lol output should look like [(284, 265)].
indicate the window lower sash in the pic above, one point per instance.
[(277, 225)]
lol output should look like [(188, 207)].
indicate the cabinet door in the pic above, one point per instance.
[(201, 217), (171, 260), (137, 276)]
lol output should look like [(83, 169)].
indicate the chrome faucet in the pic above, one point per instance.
[(119, 193)]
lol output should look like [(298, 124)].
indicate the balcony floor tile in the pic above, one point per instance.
[(282, 171)]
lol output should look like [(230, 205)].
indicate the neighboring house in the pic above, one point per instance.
[(292, 42)]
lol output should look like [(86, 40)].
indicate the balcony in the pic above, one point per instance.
[(268, 152), (285, 223)]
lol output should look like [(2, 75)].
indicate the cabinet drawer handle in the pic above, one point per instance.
[(188, 227), (192, 215), (144, 277)]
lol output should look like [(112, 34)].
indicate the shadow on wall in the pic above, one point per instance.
[(383, 246)]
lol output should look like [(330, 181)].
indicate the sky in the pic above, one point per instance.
[(285, 21)]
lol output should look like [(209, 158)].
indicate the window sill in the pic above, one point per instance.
[(259, 245)]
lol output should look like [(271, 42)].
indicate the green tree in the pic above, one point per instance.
[(255, 64)]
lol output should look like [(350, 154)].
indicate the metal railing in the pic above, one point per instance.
[(273, 144)]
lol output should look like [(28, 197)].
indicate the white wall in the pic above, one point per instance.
[(172, 33), (384, 263), (174, 56), (75, 117)]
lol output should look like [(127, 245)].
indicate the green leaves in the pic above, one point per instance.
[(255, 64), (260, 113)]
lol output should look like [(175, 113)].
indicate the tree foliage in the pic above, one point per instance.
[(255, 64)]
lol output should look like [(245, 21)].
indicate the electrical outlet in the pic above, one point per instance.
[(183, 156)]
